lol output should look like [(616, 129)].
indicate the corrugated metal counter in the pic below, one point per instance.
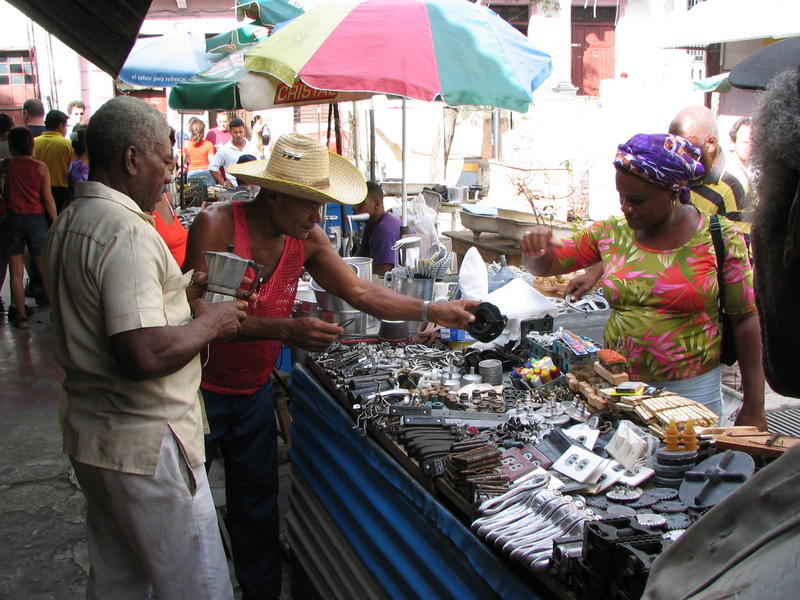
[(361, 527)]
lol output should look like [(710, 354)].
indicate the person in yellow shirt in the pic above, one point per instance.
[(55, 151)]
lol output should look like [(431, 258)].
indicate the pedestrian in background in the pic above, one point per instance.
[(55, 151), (33, 116), (198, 152), (29, 204), (79, 168), (6, 123), (75, 111)]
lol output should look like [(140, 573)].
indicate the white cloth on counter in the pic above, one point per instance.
[(517, 300), (473, 278)]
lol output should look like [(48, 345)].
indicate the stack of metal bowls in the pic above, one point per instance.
[(333, 309), (491, 370)]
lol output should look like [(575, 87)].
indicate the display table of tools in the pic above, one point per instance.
[(543, 470)]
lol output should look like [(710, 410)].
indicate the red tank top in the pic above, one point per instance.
[(240, 368), (174, 235), (24, 186)]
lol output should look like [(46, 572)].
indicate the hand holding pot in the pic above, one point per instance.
[(224, 317)]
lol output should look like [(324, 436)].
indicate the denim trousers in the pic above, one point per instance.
[(244, 428)]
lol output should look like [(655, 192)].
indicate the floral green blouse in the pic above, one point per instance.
[(664, 316)]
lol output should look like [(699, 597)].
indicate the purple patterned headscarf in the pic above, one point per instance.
[(666, 161)]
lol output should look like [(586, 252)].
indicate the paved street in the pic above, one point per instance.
[(42, 511)]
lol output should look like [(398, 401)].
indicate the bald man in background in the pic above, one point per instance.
[(724, 188)]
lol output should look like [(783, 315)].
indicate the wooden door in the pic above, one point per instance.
[(592, 56), (17, 82), (155, 96)]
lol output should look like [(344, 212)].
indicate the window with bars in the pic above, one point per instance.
[(599, 14), (517, 15), (16, 67)]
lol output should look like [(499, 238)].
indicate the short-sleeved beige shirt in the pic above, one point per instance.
[(108, 271)]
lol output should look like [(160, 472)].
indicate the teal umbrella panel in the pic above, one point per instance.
[(267, 12), (229, 85)]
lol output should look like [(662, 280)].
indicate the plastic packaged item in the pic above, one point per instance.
[(631, 446), (502, 276)]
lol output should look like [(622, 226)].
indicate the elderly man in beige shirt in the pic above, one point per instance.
[(132, 420)]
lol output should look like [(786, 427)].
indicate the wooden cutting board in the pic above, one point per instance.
[(751, 440)]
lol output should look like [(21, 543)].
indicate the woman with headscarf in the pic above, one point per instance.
[(660, 277)]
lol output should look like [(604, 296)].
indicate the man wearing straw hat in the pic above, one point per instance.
[(279, 230)]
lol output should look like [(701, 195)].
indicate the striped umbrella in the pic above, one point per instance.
[(228, 85), (454, 50), (166, 60), (267, 12), (236, 39)]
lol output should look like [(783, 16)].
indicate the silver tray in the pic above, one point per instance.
[(512, 229), (478, 223), (515, 230)]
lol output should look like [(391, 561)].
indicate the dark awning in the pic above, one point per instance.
[(102, 32)]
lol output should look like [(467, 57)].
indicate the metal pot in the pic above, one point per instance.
[(305, 293), (409, 286), (362, 266), (305, 308), (355, 321), (328, 302), (457, 194)]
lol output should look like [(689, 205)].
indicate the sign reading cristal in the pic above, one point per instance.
[(300, 92)]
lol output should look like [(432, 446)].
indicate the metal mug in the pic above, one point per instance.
[(225, 273)]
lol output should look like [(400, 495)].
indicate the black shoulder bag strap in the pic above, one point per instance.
[(719, 250), (728, 345)]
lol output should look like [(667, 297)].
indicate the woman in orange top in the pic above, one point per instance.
[(170, 228), (167, 224), (198, 151)]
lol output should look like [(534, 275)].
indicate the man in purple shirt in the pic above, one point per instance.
[(383, 230)]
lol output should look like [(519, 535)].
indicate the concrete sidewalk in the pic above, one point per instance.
[(42, 510)]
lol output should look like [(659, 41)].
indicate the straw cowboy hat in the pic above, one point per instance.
[(303, 168)]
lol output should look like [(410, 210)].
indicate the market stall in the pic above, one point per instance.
[(554, 476), (396, 531)]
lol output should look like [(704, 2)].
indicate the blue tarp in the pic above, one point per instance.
[(408, 541)]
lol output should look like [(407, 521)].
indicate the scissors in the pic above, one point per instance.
[(346, 323)]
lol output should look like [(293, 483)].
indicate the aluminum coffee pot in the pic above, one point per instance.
[(225, 272)]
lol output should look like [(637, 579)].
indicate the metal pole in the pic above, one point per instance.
[(356, 145), (180, 149), (337, 130), (371, 141), (444, 147), (403, 198), (497, 146)]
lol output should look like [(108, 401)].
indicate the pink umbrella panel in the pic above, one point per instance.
[(455, 50)]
